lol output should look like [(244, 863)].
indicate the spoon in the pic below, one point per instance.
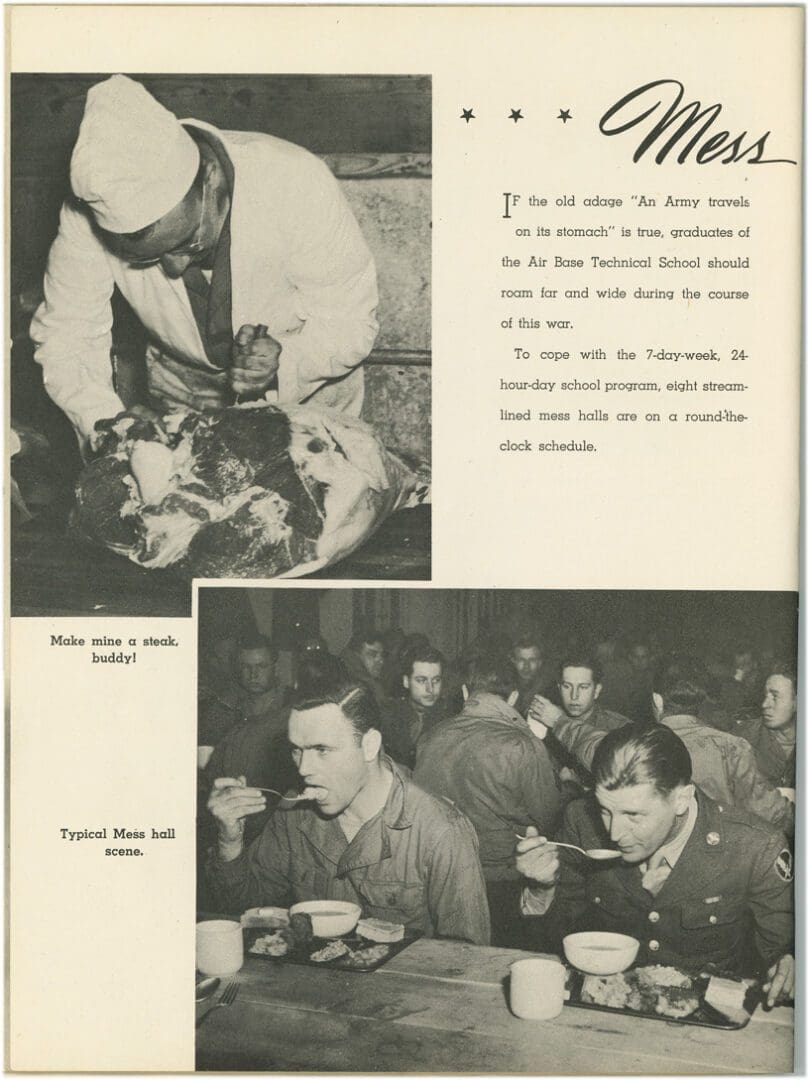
[(206, 987), (285, 798), (600, 854)]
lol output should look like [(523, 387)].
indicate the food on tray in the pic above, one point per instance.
[(659, 975), (244, 492), (613, 991), (331, 951), (367, 955), (300, 930), (273, 918), (274, 944), (727, 996), (654, 989), (379, 930), (676, 1003)]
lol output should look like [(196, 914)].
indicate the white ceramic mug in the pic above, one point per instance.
[(537, 988), (219, 947)]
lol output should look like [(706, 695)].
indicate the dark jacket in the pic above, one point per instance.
[(732, 877), (414, 863), (404, 728), (490, 764)]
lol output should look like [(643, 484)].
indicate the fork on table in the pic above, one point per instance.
[(228, 997)]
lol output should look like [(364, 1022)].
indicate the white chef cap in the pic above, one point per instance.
[(133, 160)]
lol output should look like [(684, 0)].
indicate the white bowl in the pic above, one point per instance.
[(599, 953), (329, 918)]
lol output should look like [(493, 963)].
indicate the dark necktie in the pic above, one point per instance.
[(212, 303)]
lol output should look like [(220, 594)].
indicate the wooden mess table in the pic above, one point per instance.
[(441, 1006)]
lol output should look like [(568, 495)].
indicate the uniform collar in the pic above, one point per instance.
[(274, 703), (492, 707), (670, 852), (397, 812), (681, 722), (699, 860), (702, 855)]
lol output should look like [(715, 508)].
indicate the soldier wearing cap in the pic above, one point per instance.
[(702, 887), (236, 250)]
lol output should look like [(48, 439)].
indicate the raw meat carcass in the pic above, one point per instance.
[(250, 491)]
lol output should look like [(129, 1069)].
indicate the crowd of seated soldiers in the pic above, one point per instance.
[(515, 734), (244, 690)]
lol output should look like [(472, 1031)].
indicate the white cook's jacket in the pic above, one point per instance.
[(299, 265)]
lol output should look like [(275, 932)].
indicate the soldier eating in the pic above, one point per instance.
[(692, 878), (365, 833)]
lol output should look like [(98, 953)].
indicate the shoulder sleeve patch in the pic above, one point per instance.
[(784, 865)]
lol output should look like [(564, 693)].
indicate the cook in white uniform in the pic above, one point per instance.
[(203, 231)]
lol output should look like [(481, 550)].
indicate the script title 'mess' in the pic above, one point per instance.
[(682, 128)]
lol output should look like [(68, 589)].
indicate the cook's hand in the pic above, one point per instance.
[(544, 711), (536, 859), (788, 793), (230, 802), (148, 423), (780, 986), (255, 361)]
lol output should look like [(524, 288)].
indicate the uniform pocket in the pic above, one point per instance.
[(395, 901), (715, 932), (309, 883), (698, 915)]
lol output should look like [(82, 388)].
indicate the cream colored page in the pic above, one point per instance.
[(657, 504), (101, 752)]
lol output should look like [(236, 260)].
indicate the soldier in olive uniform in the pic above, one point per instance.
[(700, 886), (773, 735)]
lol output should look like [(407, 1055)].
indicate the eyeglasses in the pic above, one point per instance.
[(187, 248)]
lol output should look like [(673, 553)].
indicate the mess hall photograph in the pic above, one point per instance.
[(495, 831), (220, 334)]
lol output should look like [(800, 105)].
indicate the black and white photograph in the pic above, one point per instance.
[(221, 339), (426, 816)]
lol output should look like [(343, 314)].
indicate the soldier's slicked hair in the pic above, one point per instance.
[(333, 686), (642, 754)]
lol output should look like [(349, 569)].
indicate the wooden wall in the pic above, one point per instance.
[(375, 134)]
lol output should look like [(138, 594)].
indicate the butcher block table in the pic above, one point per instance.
[(56, 573), (441, 1006)]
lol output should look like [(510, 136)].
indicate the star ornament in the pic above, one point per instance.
[(564, 115), (516, 115), (468, 114)]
